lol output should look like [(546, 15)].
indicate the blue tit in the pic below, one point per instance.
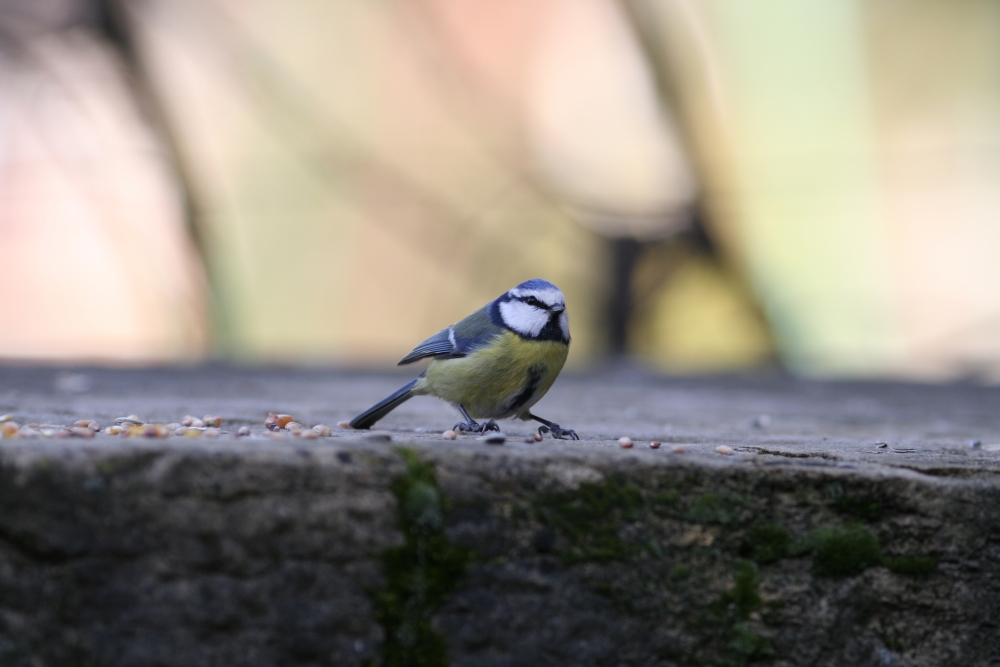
[(495, 364)]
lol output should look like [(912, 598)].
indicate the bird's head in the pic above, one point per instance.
[(535, 309)]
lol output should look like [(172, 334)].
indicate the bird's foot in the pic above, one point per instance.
[(558, 432), (474, 427)]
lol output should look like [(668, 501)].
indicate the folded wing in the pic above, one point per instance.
[(456, 341)]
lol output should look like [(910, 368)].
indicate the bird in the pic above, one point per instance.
[(495, 364)]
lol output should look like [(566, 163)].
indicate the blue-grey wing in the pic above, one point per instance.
[(457, 340), (440, 343)]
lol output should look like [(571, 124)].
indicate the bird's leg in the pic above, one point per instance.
[(551, 427), (472, 426)]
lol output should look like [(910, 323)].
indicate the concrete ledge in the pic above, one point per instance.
[(422, 551)]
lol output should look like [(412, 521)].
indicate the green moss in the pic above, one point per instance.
[(744, 593), (715, 508), (420, 574), (768, 543), (914, 566), (588, 519), (862, 508), (840, 551), (734, 607)]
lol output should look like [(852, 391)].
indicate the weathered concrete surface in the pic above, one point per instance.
[(808, 546)]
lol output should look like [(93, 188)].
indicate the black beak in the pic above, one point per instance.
[(558, 309)]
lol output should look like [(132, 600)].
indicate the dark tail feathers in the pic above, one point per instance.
[(384, 407)]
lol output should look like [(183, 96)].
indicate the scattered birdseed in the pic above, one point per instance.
[(493, 438), (173, 426), (294, 427), (131, 419), (212, 432), (322, 430), (6, 418), (449, 435), (344, 424), (530, 440), (113, 430), (242, 431), (192, 433), (677, 449), (78, 432), (654, 445), (724, 449), (625, 442), (307, 434), (538, 437), (212, 420), (193, 422)]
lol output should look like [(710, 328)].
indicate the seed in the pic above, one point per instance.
[(131, 419), (322, 430), (493, 438), (242, 431), (677, 449), (294, 427), (28, 432), (307, 434), (6, 418), (654, 445), (538, 437), (85, 423), (272, 420), (212, 432), (625, 442), (449, 435), (50, 432), (79, 432), (180, 431), (212, 420), (276, 435), (173, 426), (724, 449), (530, 440), (192, 433), (284, 420), (113, 430)]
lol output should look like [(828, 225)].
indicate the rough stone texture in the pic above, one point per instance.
[(809, 545)]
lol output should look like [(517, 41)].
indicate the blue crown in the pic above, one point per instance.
[(537, 283)]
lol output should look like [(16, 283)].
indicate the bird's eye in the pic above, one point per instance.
[(532, 301)]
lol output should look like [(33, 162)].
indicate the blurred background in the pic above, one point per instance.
[(716, 185)]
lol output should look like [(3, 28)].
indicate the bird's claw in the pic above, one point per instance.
[(558, 432), (475, 427)]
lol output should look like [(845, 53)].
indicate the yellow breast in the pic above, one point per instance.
[(503, 379)]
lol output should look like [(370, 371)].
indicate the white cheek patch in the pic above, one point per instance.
[(522, 318)]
